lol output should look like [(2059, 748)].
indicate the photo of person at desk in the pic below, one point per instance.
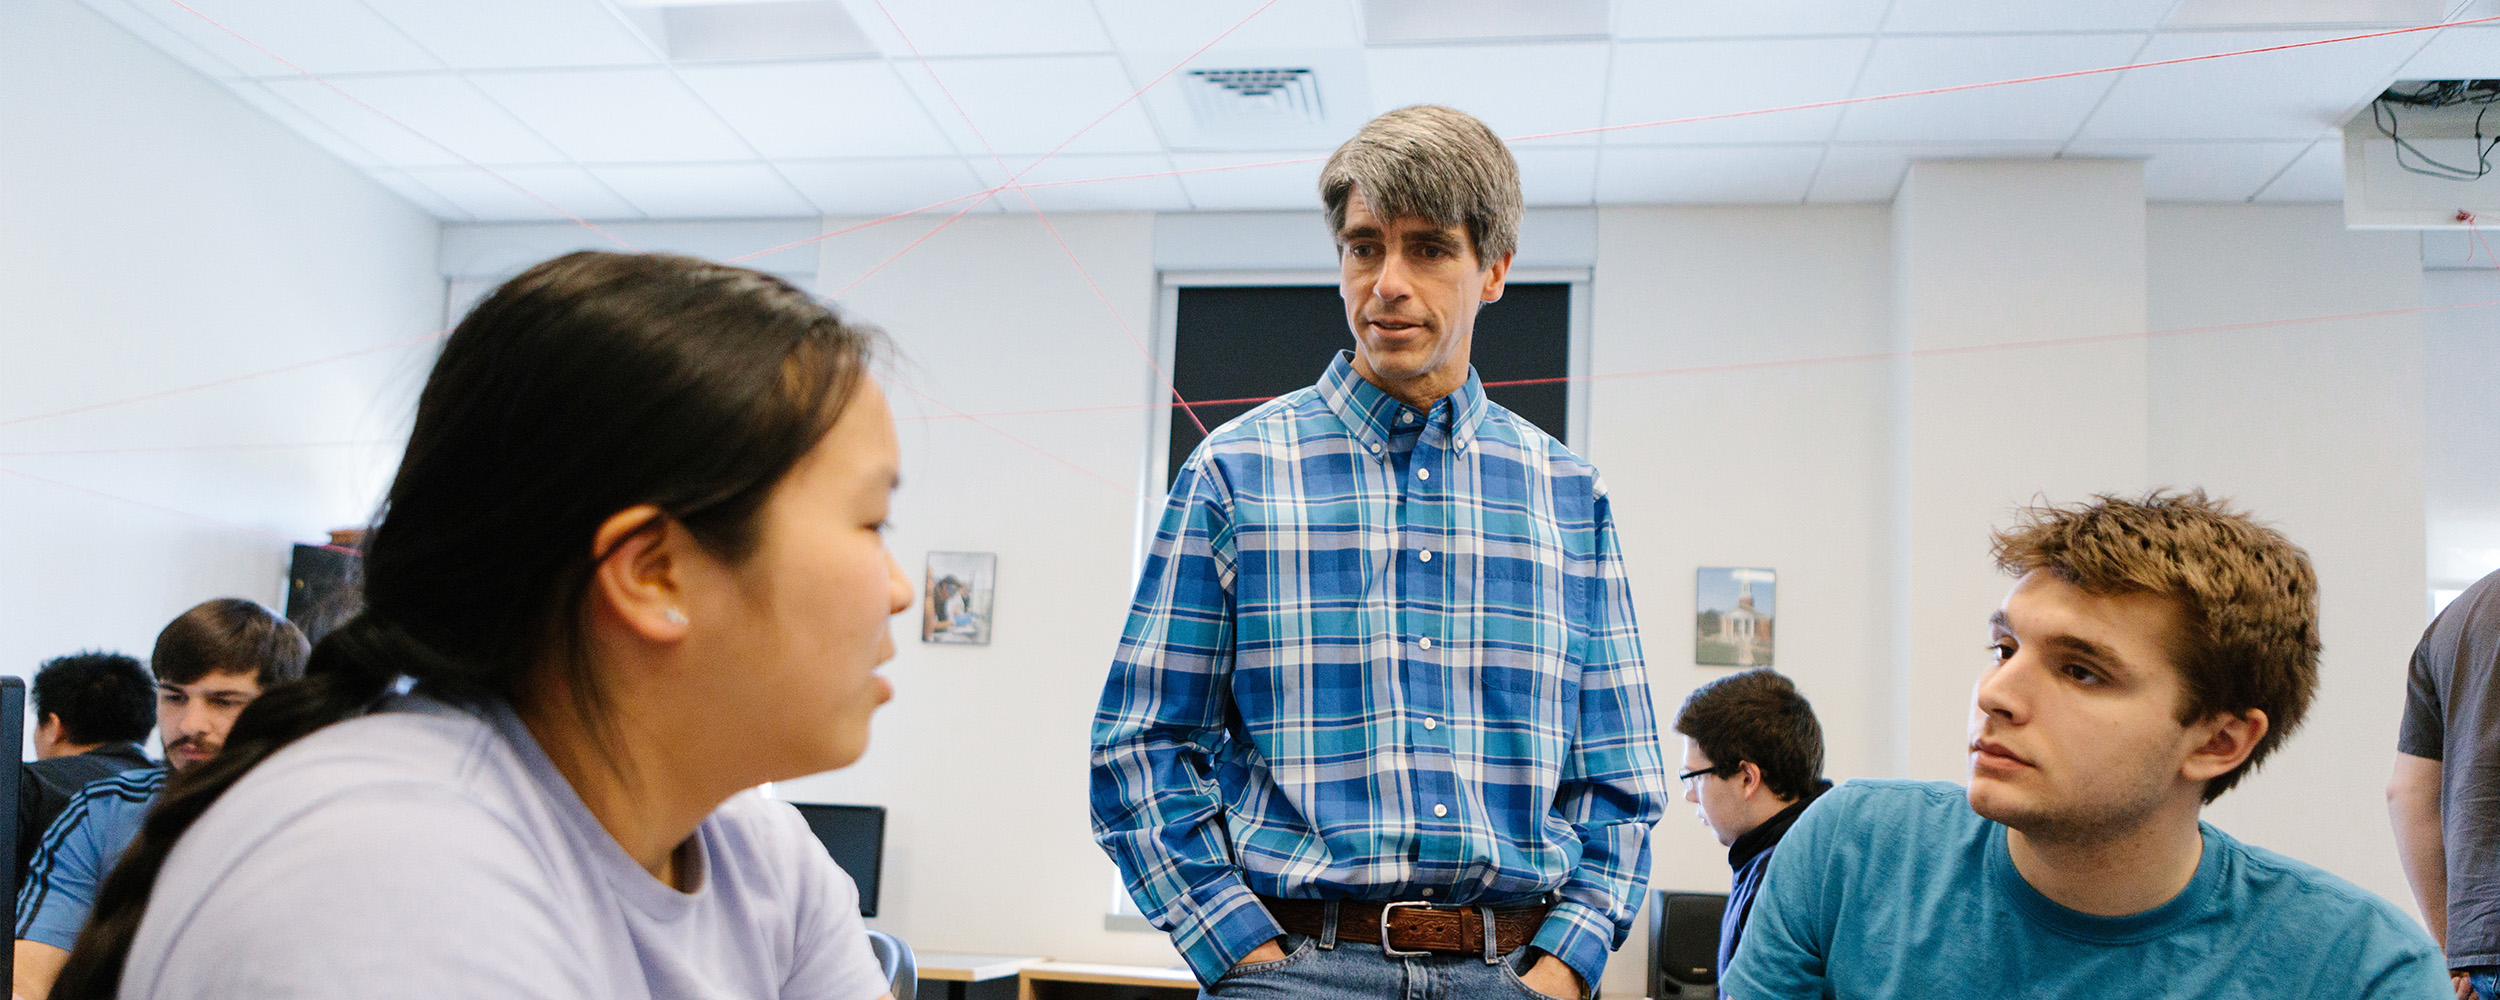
[(1378, 724), (2152, 653)]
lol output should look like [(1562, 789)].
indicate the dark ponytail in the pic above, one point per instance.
[(589, 384)]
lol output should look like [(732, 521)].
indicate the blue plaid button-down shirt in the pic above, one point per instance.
[(1380, 655)]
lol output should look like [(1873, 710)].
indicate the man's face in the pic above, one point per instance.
[(1717, 798), (2074, 730), (194, 718), (1411, 291)]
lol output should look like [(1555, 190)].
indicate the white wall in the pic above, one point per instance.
[(2461, 458), (155, 232), (981, 757)]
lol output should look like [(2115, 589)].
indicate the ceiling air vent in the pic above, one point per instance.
[(1235, 99)]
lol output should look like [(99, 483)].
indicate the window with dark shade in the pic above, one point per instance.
[(1237, 347)]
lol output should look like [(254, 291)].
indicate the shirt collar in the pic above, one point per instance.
[(1371, 414), (1762, 838)]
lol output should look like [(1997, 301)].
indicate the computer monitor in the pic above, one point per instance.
[(855, 836)]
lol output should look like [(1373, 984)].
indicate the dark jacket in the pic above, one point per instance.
[(46, 786), (1751, 857)]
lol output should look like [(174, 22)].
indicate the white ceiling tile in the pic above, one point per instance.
[(323, 39), (1183, 28), (1103, 184), (1556, 177), (519, 34), (1664, 81), (2471, 53), (284, 112), (2028, 112), (441, 107), (147, 25), (2318, 176), (506, 194), (1997, 16), (980, 27), (1219, 182), (2265, 13), (706, 191), (1637, 19), (617, 116), (1628, 175), (1030, 106), (1873, 172), (2292, 94), (820, 110), (2200, 171), (1518, 90), (882, 187), (427, 200)]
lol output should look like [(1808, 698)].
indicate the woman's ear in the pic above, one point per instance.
[(636, 578)]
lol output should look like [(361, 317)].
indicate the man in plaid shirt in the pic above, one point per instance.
[(1378, 724)]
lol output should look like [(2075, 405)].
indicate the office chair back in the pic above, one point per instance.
[(901, 971)]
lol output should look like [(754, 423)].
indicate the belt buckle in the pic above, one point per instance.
[(1388, 909)]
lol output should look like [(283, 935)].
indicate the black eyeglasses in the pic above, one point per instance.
[(1713, 771)]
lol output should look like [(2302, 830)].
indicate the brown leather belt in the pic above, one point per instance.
[(1410, 927)]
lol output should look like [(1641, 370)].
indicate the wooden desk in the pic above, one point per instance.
[(1074, 980), (948, 975)]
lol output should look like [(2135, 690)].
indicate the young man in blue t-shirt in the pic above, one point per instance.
[(2153, 651)]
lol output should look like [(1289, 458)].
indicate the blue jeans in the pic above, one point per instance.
[(2485, 980), (1349, 970)]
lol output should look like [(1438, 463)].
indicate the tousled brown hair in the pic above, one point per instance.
[(2247, 595), (1433, 163)]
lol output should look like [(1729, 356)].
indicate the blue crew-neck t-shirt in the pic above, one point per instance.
[(1897, 889)]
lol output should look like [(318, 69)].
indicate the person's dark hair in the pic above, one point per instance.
[(229, 635), (2248, 595), (1757, 716), (588, 385), (99, 697)]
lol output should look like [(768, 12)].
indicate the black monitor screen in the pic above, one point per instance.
[(855, 836)]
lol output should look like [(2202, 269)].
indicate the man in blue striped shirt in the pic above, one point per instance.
[(1378, 724), (210, 662)]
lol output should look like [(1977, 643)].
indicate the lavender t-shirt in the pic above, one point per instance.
[(430, 852)]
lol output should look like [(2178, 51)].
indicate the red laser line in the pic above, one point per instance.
[(1925, 352), (230, 380), (821, 237), (1054, 151), (160, 508), (404, 126), (1813, 105), (1028, 445), (1064, 248), (164, 449)]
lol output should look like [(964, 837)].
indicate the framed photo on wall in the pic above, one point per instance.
[(955, 598), (1732, 614)]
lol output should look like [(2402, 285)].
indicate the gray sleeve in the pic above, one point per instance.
[(399, 891), (832, 960), (2423, 733)]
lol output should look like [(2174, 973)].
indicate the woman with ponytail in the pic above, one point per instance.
[(631, 567)]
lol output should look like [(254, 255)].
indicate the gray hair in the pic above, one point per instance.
[(1433, 163)]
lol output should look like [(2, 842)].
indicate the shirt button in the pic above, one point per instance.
[(1423, 473), (1406, 418), (1432, 723), (1427, 555), (1427, 893), (1440, 810), (1426, 643)]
